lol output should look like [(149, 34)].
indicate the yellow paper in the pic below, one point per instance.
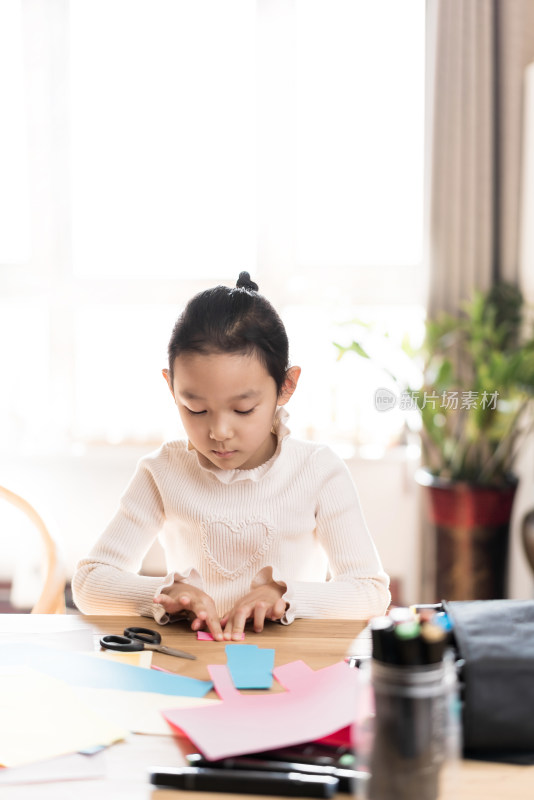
[(139, 712), (139, 658), (42, 717)]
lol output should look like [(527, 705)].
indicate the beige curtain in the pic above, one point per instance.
[(477, 51)]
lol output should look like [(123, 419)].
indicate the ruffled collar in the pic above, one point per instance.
[(281, 432)]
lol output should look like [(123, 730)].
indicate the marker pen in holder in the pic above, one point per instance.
[(408, 643), (383, 639), (434, 640)]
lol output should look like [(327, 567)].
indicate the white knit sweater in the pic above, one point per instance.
[(295, 519)]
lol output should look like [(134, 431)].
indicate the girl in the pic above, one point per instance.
[(255, 525)]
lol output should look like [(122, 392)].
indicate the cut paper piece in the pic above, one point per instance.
[(141, 658), (205, 636), (316, 704), (43, 718), (138, 712), (73, 767), (251, 667), (82, 670)]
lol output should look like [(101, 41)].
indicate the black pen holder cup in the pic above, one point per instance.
[(411, 745)]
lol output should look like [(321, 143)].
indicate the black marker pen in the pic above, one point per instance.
[(408, 643), (349, 779), (434, 640), (234, 781), (383, 636)]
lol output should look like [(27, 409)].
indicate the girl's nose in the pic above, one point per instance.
[(221, 429)]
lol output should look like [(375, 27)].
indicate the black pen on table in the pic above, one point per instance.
[(237, 781), (349, 779)]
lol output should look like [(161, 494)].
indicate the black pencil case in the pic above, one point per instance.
[(495, 641)]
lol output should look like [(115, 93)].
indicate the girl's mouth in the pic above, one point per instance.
[(224, 453)]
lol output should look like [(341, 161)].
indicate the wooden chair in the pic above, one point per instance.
[(52, 597)]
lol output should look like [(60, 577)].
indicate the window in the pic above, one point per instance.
[(163, 138), (14, 189), (283, 136), (360, 93)]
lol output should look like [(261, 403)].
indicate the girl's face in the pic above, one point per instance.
[(227, 402)]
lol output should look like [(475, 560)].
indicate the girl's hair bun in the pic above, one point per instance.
[(244, 282)]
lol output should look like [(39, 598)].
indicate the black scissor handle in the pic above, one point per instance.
[(145, 635), (121, 643)]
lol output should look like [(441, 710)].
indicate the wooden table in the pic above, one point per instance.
[(317, 642)]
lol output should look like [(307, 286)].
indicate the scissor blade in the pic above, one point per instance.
[(170, 651)]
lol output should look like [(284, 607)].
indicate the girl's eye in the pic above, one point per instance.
[(195, 412), (244, 412)]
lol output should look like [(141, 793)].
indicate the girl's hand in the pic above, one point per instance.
[(264, 602), (182, 597)]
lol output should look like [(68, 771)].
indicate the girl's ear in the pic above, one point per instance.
[(167, 375), (289, 385)]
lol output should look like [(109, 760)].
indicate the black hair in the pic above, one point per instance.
[(232, 320)]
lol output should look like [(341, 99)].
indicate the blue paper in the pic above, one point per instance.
[(78, 669), (250, 666)]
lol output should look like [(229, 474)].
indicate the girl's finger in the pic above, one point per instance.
[(214, 627), (167, 602), (279, 609), (259, 617), (199, 620), (207, 617), (234, 628)]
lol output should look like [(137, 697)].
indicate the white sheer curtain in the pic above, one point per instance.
[(477, 52)]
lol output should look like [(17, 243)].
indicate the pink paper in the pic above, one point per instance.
[(316, 704), (205, 636)]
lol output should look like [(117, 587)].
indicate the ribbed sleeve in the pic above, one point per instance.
[(296, 519)]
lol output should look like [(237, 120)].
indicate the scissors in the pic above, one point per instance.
[(140, 639)]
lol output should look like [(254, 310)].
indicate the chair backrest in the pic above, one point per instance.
[(52, 597)]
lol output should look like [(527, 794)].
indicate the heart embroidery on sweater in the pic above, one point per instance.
[(231, 548)]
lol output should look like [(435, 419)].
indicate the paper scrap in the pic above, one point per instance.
[(251, 667), (316, 704), (139, 658), (43, 718), (82, 670)]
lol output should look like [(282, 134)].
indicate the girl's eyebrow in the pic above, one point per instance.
[(246, 395)]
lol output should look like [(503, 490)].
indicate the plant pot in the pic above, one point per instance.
[(471, 525)]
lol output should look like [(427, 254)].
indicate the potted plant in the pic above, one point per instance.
[(474, 407)]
